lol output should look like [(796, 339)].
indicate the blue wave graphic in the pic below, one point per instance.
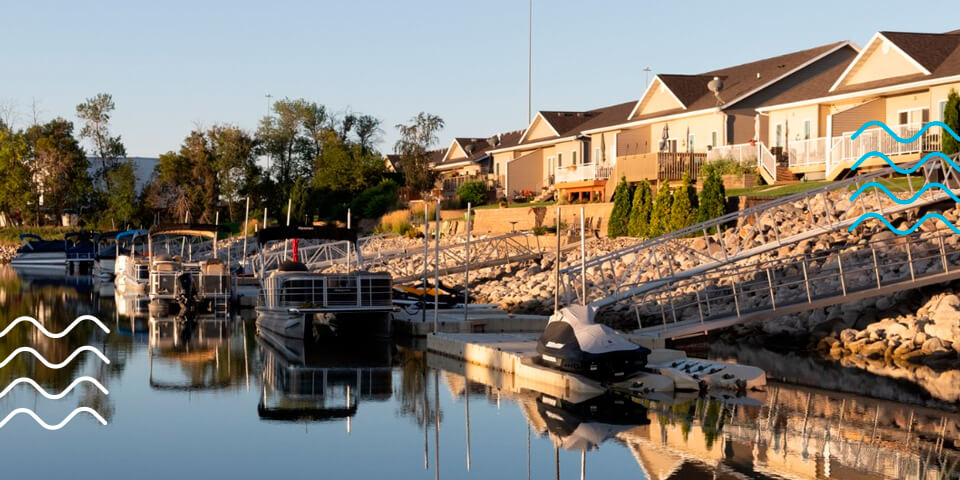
[(876, 123), (899, 169), (910, 200), (907, 231)]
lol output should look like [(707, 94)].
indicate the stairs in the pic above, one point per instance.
[(785, 176), (546, 195)]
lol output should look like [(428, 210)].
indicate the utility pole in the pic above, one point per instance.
[(268, 97), (530, 64), (646, 77)]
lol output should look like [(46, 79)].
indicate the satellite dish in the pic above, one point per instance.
[(715, 86)]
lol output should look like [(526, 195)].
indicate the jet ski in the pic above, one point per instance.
[(584, 426), (573, 342)]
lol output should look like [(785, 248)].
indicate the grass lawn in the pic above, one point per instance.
[(775, 190), (11, 235)]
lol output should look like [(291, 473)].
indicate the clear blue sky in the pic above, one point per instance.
[(174, 65)]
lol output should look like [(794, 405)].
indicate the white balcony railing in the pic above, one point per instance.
[(875, 139), (582, 172), (802, 153), (742, 153), (767, 161)]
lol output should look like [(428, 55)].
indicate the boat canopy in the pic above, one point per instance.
[(106, 236), (315, 232), (30, 237), (130, 233), (198, 229)]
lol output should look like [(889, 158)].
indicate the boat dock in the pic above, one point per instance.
[(483, 320)]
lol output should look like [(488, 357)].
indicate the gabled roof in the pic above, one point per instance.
[(739, 81), (570, 123), (476, 149), (933, 54)]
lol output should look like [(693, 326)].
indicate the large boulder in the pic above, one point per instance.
[(944, 314)]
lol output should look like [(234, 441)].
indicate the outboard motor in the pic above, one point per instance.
[(573, 342), (187, 292)]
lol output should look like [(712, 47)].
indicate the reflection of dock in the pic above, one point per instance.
[(787, 432), (210, 352), (324, 382)]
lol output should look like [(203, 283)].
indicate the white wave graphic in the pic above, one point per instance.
[(55, 366), (28, 319), (46, 425), (58, 396)]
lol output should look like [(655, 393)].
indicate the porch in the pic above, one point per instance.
[(583, 182)]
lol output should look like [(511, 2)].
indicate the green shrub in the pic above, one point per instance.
[(640, 212), (683, 211), (951, 117), (660, 214), (474, 193), (620, 216), (376, 200), (713, 197), (727, 166)]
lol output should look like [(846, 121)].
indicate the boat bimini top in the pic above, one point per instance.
[(206, 230)]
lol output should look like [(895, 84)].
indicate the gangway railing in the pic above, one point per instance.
[(657, 262)]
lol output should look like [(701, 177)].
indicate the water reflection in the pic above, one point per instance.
[(190, 383), (322, 382)]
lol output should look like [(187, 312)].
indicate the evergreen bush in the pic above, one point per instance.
[(683, 211), (640, 213), (620, 216), (660, 213)]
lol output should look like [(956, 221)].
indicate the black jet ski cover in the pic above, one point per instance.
[(573, 342)]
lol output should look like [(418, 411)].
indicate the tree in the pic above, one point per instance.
[(122, 197), (951, 117), (95, 113), (15, 181), (474, 193), (171, 186), (59, 166), (683, 211), (368, 130), (640, 212), (620, 216), (416, 139), (234, 163), (713, 197), (660, 215), (279, 138), (205, 194)]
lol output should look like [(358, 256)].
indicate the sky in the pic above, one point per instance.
[(173, 66)]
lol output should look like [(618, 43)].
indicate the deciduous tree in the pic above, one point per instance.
[(416, 140), (95, 112)]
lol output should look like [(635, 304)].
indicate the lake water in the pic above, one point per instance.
[(212, 400)]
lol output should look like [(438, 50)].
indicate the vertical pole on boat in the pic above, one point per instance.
[(436, 270), (216, 223), (286, 242), (246, 221), (556, 268), (583, 464), (264, 217), (466, 270), (426, 422), (583, 256), (426, 253), (528, 450), (349, 217)]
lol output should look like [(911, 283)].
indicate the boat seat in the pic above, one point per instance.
[(213, 267)]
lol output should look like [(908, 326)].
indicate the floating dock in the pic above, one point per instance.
[(485, 320), (515, 354)]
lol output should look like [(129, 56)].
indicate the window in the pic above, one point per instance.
[(713, 139), (596, 154), (778, 137), (573, 155), (941, 106), (559, 159), (806, 129), (496, 169), (913, 116), (690, 142)]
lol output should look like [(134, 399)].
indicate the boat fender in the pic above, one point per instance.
[(727, 376), (741, 385), (703, 385)]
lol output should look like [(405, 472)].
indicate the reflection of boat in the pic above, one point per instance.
[(293, 296), (573, 342), (39, 253), (176, 277), (584, 426), (193, 346), (105, 255), (130, 265), (322, 383)]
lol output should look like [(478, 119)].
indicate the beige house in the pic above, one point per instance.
[(468, 159), (682, 121), (901, 79)]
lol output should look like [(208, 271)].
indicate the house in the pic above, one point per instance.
[(681, 120), (468, 159), (552, 153), (393, 164), (899, 78)]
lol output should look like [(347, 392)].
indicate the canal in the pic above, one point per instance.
[(210, 399)]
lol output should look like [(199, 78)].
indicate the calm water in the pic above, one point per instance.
[(212, 400)]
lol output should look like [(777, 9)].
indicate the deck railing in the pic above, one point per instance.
[(672, 165), (452, 184), (741, 152), (807, 152), (767, 161), (582, 172)]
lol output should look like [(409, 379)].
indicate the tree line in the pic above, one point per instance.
[(323, 162)]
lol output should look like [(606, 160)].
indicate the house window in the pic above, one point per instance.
[(806, 129), (559, 159), (941, 107), (496, 168), (574, 157), (596, 154), (778, 136), (551, 165), (913, 116), (690, 142), (713, 139)]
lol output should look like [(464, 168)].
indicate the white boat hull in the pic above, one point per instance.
[(282, 322), (40, 259)]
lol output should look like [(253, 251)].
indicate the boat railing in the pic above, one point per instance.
[(338, 292)]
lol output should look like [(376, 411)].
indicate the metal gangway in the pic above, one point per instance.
[(406, 264), (739, 267)]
